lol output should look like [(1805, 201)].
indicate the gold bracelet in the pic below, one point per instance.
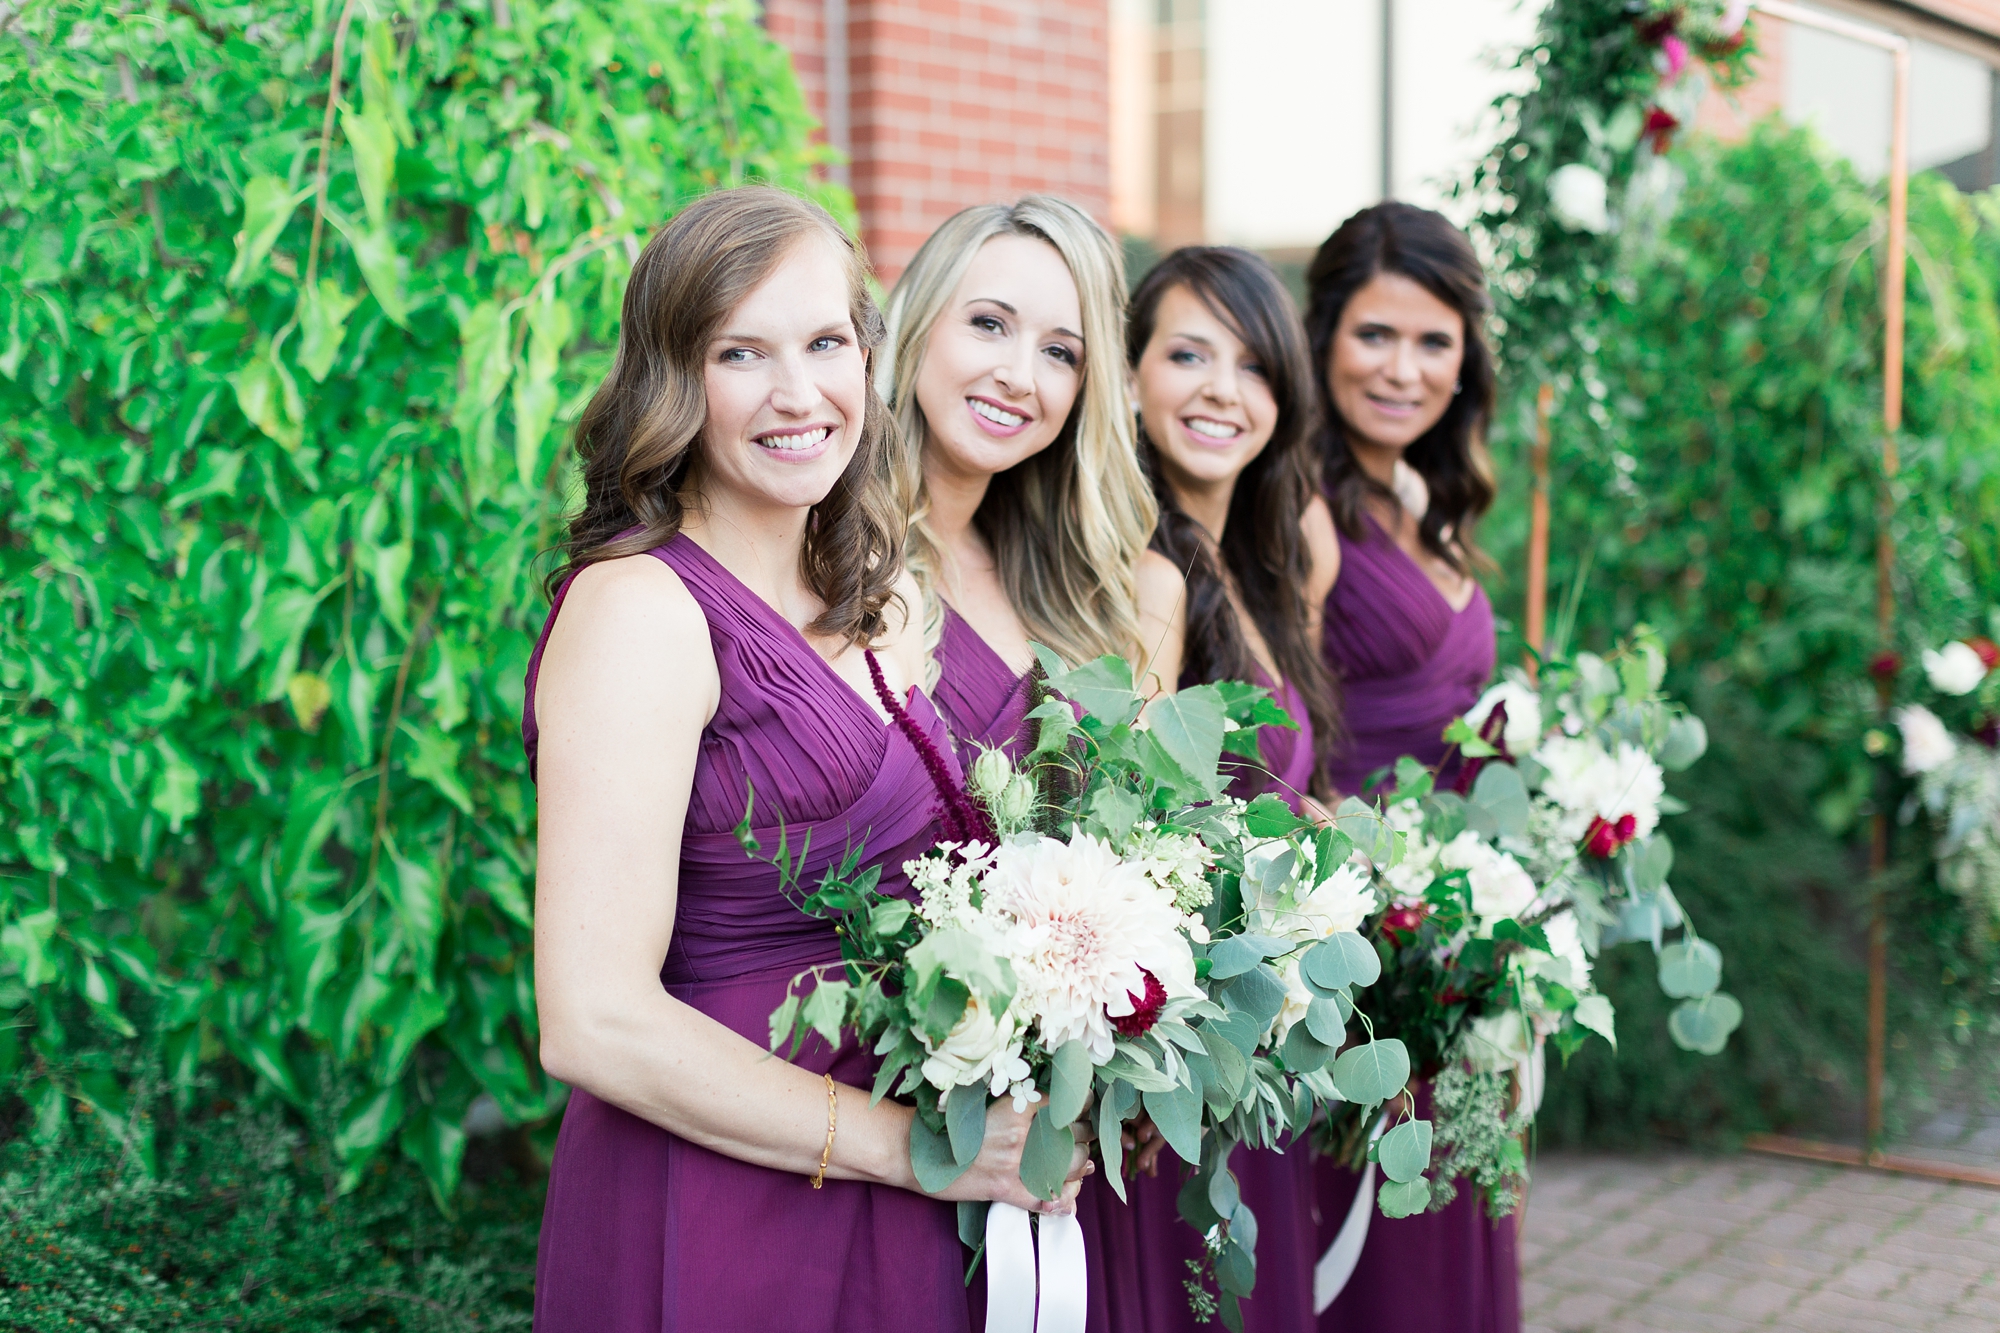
[(832, 1121)]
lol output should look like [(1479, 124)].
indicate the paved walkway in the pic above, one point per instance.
[(1718, 1244)]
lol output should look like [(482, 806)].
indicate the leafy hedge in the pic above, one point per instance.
[(296, 298), (1720, 484)]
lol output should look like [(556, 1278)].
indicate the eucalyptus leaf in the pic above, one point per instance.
[(1238, 954), (1404, 1198), (965, 1122), (1342, 961), (1176, 1113), (931, 1159), (1405, 1151), (1704, 1025), (1069, 1082), (1373, 1072), (1046, 1156), (1690, 968)]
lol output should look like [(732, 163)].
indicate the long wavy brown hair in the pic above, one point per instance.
[(1263, 551), (640, 437), (1451, 456)]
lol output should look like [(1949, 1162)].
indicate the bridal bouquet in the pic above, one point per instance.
[(1104, 933), (1545, 850), (1956, 765)]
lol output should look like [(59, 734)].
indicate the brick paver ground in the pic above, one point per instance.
[(1718, 1244)]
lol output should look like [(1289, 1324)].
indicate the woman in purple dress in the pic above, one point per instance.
[(729, 627), (1029, 514), (1396, 299), (1224, 383)]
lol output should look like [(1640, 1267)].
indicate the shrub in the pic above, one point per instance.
[(296, 299)]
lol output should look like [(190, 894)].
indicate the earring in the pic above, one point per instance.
[(1458, 388)]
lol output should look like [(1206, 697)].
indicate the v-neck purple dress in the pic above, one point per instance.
[(1408, 665), (982, 699), (645, 1232)]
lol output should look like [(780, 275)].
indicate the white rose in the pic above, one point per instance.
[(1524, 715), (1588, 783), (1571, 764), (1298, 999), (1500, 887), (1633, 785), (981, 1048), (1577, 197), (1926, 744), (1954, 669)]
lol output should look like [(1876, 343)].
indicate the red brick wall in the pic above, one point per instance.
[(954, 102)]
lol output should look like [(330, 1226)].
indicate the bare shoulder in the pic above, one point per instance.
[(902, 638), (1161, 584), (628, 627), (1322, 550)]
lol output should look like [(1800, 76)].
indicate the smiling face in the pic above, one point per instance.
[(1203, 396), (787, 386), (1394, 362), (1004, 363)]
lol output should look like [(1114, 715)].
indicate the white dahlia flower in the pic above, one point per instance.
[(1589, 783), (1081, 926)]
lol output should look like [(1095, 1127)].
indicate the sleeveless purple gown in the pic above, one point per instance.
[(645, 1232), (1408, 664), (982, 699)]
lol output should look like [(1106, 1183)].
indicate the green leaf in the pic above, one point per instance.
[(1704, 1025), (323, 312), (1687, 741), (368, 1123), (826, 1009), (1342, 961), (1176, 1113), (1690, 968), (1499, 791), (1115, 809), (1651, 861), (1595, 1013), (888, 917), (1372, 1073), (785, 1019), (972, 1223), (1404, 1198), (214, 474), (267, 396), (1070, 1075), (965, 1122), (267, 206), (961, 954), (373, 141), (1304, 1051), (1268, 816), (1102, 688), (24, 944), (1188, 726), (1235, 1269), (375, 253), (550, 327), (417, 1016), (1405, 1151), (1046, 1156), (177, 789), (1327, 1021), (931, 1157), (1237, 954), (1118, 1101), (1258, 993), (436, 1143)]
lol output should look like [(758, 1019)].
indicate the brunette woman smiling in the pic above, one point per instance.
[(730, 621), (1395, 303)]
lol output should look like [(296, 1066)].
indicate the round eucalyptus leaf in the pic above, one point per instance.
[(1704, 1025), (1690, 968), (1404, 1198), (1404, 1153), (1372, 1073)]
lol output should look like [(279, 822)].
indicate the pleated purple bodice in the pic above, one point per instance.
[(1288, 752), (645, 1232), (982, 699), (1408, 664)]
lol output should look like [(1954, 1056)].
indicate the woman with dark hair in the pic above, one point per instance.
[(1225, 394), (731, 622), (1395, 300)]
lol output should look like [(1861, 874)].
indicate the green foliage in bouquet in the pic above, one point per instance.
[(240, 1222), (1244, 917), (294, 300)]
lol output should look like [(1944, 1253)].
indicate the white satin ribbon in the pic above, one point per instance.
[(1330, 1274), (1033, 1288)]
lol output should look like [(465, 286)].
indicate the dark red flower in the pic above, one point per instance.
[(1660, 26), (1989, 651), (1987, 733), (1145, 1009), (1404, 920), (1661, 124), (1605, 838), (1886, 665)]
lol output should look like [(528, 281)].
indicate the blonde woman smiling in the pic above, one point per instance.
[(1029, 510)]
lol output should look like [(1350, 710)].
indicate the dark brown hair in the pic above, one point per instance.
[(1451, 456), (639, 438), (1262, 548)]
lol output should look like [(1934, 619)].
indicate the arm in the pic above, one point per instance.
[(627, 683), (1323, 561), (1162, 623)]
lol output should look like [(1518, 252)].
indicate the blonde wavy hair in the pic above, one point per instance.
[(1067, 526)]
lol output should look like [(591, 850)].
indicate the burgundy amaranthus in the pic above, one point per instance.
[(960, 816), (1145, 1008)]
